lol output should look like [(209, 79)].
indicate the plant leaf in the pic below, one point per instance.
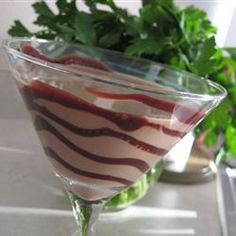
[(45, 16), (65, 6), (232, 52), (18, 30), (211, 138), (231, 139), (232, 94), (109, 39), (205, 62), (145, 46), (219, 118), (84, 29), (43, 9)]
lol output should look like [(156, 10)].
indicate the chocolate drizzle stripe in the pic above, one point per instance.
[(139, 164), (98, 132), (124, 121), (83, 173), (72, 59), (183, 114)]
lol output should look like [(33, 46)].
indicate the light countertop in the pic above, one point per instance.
[(33, 203)]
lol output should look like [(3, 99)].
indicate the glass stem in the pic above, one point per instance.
[(86, 213)]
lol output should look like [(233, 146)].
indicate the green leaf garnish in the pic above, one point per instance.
[(18, 30)]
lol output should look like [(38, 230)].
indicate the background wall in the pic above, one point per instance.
[(221, 12)]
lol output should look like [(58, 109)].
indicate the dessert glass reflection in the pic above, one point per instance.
[(104, 119)]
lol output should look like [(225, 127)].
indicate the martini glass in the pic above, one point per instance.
[(104, 119)]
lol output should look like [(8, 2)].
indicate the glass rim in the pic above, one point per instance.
[(222, 92)]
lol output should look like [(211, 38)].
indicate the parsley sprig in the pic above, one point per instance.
[(182, 37)]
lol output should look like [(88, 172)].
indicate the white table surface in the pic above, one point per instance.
[(33, 203)]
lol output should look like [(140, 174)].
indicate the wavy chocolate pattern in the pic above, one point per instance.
[(124, 121), (185, 114), (65, 60), (80, 172), (42, 124), (96, 132)]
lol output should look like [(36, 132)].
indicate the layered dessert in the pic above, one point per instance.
[(100, 138)]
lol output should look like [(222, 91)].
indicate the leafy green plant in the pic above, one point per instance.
[(182, 37)]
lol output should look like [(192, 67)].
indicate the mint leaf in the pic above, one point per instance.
[(45, 17), (167, 3), (230, 71), (232, 52), (46, 34), (19, 30), (219, 118), (211, 138), (84, 30), (65, 6), (231, 139), (232, 94), (145, 46), (208, 49), (42, 9), (109, 39), (149, 14), (195, 25), (205, 62)]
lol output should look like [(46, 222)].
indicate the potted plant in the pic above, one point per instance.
[(163, 32)]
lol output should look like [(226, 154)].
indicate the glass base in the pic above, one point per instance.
[(77, 233), (85, 213), (133, 221)]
